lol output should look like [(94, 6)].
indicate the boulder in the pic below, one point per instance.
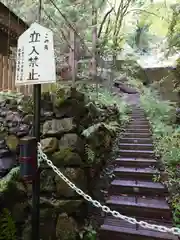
[(20, 212), (66, 157), (49, 145), (47, 183), (56, 127), (12, 116), (12, 142), (76, 175), (68, 206), (69, 109), (48, 218), (73, 141), (66, 228)]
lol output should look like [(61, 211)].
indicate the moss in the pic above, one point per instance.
[(8, 180), (66, 157), (12, 142)]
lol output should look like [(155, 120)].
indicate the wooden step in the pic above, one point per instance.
[(139, 121), (135, 130), (133, 173), (138, 126), (137, 115), (138, 187), (136, 153), (135, 140), (136, 146), (117, 229), (140, 206), (136, 135), (134, 162)]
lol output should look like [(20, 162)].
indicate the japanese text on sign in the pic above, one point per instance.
[(35, 56)]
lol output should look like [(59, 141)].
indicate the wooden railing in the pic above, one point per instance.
[(7, 77)]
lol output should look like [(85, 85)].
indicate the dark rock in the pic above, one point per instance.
[(47, 181), (4, 153), (7, 163), (66, 228), (66, 157), (69, 109), (3, 113), (76, 175), (73, 141), (21, 130), (77, 95), (48, 223), (2, 144), (20, 212), (68, 206), (13, 117), (28, 119)]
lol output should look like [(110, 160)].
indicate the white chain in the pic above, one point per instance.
[(42, 156)]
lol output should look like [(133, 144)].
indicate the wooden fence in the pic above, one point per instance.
[(7, 77)]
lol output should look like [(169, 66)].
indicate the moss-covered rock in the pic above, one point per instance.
[(48, 218), (66, 157), (72, 141), (76, 175), (47, 183), (12, 142), (66, 228), (61, 206), (20, 212)]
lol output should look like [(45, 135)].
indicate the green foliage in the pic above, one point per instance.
[(174, 28), (7, 226), (90, 154), (167, 143), (88, 233), (103, 96), (8, 179)]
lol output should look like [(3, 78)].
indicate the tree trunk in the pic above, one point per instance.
[(72, 59), (94, 43)]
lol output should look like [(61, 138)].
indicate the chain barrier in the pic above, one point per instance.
[(42, 157)]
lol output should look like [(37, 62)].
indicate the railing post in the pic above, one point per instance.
[(28, 159), (29, 172)]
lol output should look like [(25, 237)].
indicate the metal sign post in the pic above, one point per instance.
[(35, 65), (36, 133)]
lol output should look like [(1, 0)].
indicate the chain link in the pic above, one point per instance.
[(42, 157)]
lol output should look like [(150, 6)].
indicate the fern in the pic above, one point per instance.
[(7, 226), (9, 178), (112, 126), (90, 154)]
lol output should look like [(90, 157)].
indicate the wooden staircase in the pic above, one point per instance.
[(133, 192)]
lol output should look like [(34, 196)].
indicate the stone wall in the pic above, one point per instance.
[(77, 135), (166, 86)]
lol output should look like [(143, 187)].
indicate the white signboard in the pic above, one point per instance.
[(35, 62)]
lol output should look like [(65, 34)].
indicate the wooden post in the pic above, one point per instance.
[(10, 74), (1, 72), (5, 73)]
